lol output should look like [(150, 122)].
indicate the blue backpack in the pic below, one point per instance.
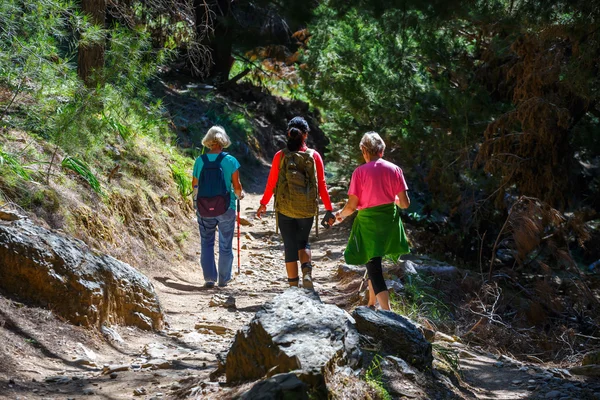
[(213, 197)]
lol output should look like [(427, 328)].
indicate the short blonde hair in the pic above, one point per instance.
[(216, 136), (372, 143)]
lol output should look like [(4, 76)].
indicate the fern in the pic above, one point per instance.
[(81, 168)]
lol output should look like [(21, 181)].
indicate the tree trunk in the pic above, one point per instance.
[(220, 40), (90, 58)]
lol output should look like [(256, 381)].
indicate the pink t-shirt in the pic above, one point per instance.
[(376, 183)]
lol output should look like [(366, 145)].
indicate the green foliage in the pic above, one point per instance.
[(37, 51), (373, 72), (421, 301), (9, 161), (374, 378), (434, 77), (449, 356), (182, 179), (39, 41), (83, 170), (279, 80), (182, 237), (47, 199), (236, 123)]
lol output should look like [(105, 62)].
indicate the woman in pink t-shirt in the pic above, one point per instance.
[(376, 189)]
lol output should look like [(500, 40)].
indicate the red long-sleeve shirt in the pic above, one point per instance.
[(274, 175)]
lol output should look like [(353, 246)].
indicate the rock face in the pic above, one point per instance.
[(395, 335), (282, 386), (50, 270), (294, 332)]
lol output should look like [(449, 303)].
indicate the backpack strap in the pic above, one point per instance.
[(221, 156), (218, 160), (311, 152), (284, 153)]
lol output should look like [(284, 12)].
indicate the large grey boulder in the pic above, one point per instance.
[(47, 269), (294, 332), (394, 335), (281, 386)]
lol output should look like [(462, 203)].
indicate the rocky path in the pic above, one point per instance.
[(202, 323)]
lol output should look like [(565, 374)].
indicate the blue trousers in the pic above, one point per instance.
[(208, 226)]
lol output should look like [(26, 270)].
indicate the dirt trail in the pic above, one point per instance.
[(156, 365)]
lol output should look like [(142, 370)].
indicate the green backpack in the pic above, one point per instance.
[(296, 193)]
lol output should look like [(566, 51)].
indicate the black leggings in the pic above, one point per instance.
[(294, 232), (376, 275)]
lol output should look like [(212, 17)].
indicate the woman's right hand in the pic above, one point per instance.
[(261, 210)]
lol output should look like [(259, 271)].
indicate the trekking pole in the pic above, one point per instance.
[(362, 282), (238, 233)]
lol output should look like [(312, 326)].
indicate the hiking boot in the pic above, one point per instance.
[(307, 281), (209, 285), (223, 284)]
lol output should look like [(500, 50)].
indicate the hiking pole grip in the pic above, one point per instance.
[(362, 282), (238, 234)]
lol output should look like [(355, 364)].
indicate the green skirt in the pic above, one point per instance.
[(376, 232)]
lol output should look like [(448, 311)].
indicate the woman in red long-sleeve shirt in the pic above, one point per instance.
[(295, 230)]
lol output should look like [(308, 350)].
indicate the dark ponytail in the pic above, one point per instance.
[(295, 139)]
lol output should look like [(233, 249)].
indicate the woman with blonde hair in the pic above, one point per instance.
[(216, 183), (377, 189)]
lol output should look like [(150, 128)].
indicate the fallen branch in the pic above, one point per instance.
[(475, 326)]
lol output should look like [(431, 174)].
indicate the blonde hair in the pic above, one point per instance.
[(372, 143), (216, 136)]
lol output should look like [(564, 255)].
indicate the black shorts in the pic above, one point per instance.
[(294, 232)]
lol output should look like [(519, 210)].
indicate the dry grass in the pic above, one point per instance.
[(140, 215)]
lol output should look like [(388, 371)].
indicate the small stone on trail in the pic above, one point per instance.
[(220, 300), (108, 369), (84, 361), (245, 222), (113, 375), (249, 236), (219, 330), (58, 379), (88, 392), (553, 394), (244, 247), (157, 364), (111, 334), (498, 364), (139, 391)]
